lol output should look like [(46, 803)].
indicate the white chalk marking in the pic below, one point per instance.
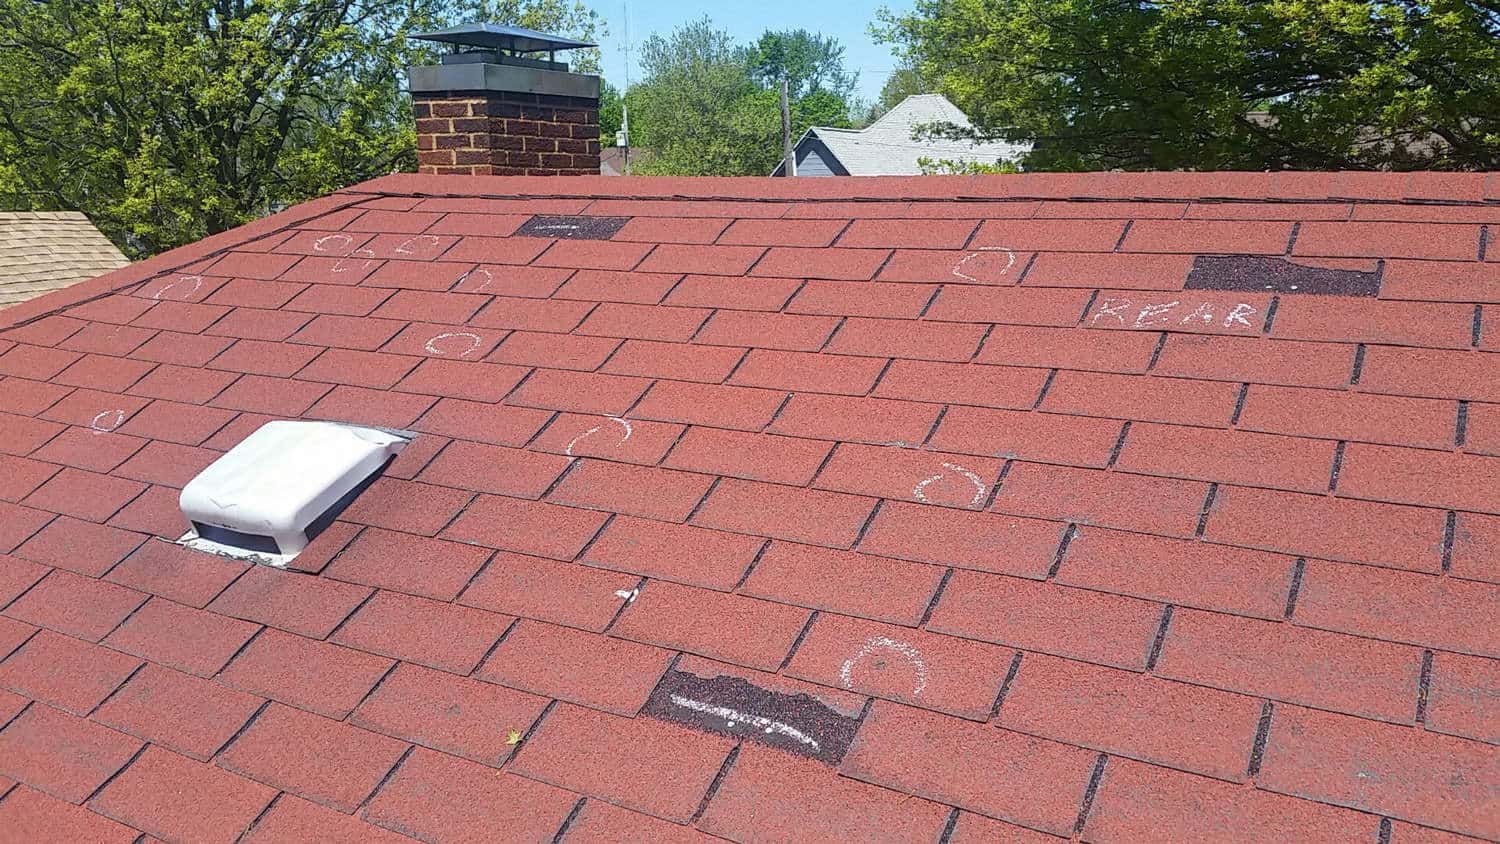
[(628, 594), (117, 418), (624, 423), (562, 226), (1239, 313), (733, 716), (318, 244), (405, 247), (197, 281), (474, 341), (1010, 261), (1111, 307), (489, 278), (1150, 313), (874, 643), (1204, 313), (919, 491), (361, 252)]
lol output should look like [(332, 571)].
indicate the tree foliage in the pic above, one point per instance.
[(167, 120), (709, 106), (904, 81), (1218, 84)]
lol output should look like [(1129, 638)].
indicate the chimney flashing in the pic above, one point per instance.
[(488, 78)]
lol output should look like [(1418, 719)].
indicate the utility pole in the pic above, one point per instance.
[(787, 156)]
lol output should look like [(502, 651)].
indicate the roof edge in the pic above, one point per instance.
[(1257, 186), (100, 286)]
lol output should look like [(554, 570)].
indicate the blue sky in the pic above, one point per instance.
[(846, 20)]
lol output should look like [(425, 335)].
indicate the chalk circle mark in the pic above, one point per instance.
[(919, 491), (958, 269), (195, 280), (405, 247), (473, 343), (883, 644), (623, 423), (107, 421), (343, 239)]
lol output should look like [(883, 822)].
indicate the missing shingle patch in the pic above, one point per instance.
[(732, 706), (1245, 273), (572, 228)]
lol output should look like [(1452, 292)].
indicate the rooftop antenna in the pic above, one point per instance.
[(624, 105)]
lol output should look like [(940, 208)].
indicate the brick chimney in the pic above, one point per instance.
[(496, 108)]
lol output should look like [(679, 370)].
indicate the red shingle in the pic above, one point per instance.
[(843, 582), (487, 468), (33, 816), (1139, 802), (1436, 780), (1120, 270), (1177, 571), (814, 798), (1208, 236), (64, 756), (720, 406), (1336, 528), (712, 558), (196, 641), (295, 819), (1458, 702), (732, 628), (973, 766), (1096, 497), (67, 673), (1045, 617), (586, 668), (1292, 664), (68, 543), (706, 260), (651, 359), (434, 795), (447, 636), (580, 392), (562, 593), (1043, 437), (526, 527), (945, 673), (325, 761), (782, 512), (1419, 609), (190, 715), (1173, 724), (77, 606), (452, 714), (1230, 456), (1390, 240), (315, 676), (756, 457), (848, 264), (863, 298), (658, 768), (308, 606), (768, 331), (176, 798), (662, 494)]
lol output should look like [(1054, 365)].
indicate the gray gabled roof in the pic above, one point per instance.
[(887, 148)]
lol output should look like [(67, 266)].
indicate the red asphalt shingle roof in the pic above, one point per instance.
[(967, 469)]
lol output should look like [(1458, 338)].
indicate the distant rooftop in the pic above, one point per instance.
[(42, 251), (888, 147)]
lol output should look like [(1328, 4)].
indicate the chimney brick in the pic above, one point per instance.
[(506, 133)]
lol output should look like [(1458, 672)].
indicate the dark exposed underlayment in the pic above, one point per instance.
[(1257, 273), (572, 228), (733, 707)]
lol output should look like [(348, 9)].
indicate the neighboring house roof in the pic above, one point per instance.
[(1113, 506), (612, 159), (45, 250), (887, 146)]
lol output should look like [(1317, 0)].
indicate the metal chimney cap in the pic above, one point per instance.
[(516, 39)]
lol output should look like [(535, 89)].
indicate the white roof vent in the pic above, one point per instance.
[(269, 496)]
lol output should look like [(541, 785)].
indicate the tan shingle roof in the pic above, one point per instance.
[(46, 250)]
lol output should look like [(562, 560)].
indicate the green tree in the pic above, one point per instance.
[(809, 61), (611, 112), (167, 120), (1219, 84), (707, 106), (903, 82)]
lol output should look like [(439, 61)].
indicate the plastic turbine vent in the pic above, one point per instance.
[(269, 496)]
